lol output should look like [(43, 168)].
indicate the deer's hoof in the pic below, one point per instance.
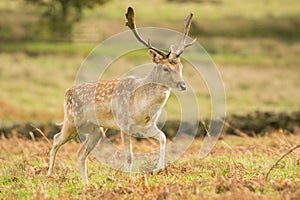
[(156, 171), (48, 175)]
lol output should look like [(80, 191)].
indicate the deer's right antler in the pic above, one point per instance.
[(131, 24)]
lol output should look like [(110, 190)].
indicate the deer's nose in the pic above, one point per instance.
[(181, 86)]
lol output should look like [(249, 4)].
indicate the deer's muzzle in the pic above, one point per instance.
[(181, 86)]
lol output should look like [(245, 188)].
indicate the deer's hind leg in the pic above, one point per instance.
[(67, 133), (92, 139)]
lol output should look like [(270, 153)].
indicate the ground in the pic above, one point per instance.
[(255, 45), (236, 168)]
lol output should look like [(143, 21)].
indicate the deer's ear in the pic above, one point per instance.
[(155, 56)]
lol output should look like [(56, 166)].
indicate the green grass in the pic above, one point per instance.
[(33, 81), (235, 168), (42, 48), (227, 8), (253, 44), (230, 18)]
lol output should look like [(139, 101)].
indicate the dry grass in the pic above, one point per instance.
[(235, 169)]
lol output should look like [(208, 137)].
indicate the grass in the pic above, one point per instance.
[(257, 58), (230, 18), (33, 85), (255, 45), (235, 168), (45, 48), (205, 11)]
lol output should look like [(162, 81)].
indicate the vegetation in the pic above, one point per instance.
[(256, 46), (61, 15), (255, 56), (235, 169), (33, 88)]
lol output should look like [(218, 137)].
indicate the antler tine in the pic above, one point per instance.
[(187, 25), (131, 24)]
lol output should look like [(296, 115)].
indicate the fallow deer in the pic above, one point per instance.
[(129, 104)]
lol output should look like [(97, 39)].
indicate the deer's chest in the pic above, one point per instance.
[(146, 104)]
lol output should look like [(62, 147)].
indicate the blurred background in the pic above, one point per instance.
[(255, 44)]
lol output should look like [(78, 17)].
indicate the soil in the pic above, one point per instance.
[(256, 123)]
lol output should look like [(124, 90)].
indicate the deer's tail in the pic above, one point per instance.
[(60, 124)]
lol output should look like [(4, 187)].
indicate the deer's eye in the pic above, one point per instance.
[(166, 69), (174, 62)]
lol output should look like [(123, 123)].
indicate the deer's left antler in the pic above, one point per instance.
[(183, 44)]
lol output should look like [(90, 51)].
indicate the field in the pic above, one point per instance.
[(236, 168), (253, 64), (255, 46)]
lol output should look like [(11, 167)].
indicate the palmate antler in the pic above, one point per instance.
[(187, 24)]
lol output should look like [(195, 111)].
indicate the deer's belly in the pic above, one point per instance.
[(106, 119)]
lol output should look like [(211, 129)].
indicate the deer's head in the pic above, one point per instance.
[(168, 66)]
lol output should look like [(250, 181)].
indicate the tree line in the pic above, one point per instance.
[(61, 15)]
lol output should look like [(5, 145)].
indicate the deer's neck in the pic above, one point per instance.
[(155, 92), (153, 78), (152, 90)]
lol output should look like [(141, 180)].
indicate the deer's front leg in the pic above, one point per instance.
[(128, 148), (161, 137)]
